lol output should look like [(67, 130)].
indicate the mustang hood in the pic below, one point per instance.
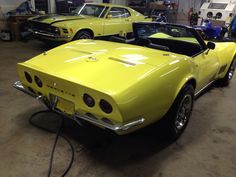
[(50, 19), (100, 64)]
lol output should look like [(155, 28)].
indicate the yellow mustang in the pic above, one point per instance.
[(123, 87), (86, 22)]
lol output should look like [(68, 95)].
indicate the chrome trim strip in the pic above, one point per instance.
[(202, 89), (18, 85), (116, 127), (122, 61), (50, 35)]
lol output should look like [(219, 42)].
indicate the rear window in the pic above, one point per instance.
[(118, 12)]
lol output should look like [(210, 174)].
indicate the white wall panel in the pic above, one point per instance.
[(185, 5), (121, 2)]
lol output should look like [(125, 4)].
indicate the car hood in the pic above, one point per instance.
[(100, 64), (50, 19)]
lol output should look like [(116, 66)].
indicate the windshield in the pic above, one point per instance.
[(90, 10), (165, 32), (168, 37)]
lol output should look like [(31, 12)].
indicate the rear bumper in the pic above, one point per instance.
[(118, 128)]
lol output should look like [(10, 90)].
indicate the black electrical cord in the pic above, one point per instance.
[(58, 134)]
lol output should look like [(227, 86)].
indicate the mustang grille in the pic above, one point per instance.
[(43, 27)]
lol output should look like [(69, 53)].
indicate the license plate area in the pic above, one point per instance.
[(62, 104)]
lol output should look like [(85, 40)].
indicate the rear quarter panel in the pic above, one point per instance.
[(225, 52), (152, 97)]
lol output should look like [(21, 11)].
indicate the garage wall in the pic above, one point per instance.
[(184, 6), (7, 5), (121, 2)]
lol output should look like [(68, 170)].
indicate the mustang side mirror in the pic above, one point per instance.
[(211, 45)]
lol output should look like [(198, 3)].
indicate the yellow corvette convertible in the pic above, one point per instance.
[(126, 85), (86, 22)]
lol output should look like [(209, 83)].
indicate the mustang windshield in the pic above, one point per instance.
[(91, 10)]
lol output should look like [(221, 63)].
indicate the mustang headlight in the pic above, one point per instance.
[(65, 30), (89, 101), (38, 81), (105, 106), (55, 30), (28, 77)]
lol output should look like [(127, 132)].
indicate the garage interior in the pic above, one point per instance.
[(206, 149)]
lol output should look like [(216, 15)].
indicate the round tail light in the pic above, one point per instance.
[(105, 106), (89, 101), (38, 81), (28, 77)]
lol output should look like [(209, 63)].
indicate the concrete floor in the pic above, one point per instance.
[(206, 149)]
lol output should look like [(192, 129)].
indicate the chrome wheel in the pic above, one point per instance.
[(85, 36), (177, 118), (183, 112)]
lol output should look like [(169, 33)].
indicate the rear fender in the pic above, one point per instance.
[(226, 57)]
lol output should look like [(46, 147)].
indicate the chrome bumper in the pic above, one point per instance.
[(52, 36), (118, 128), (18, 85)]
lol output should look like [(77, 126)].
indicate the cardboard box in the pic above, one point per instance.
[(218, 22)]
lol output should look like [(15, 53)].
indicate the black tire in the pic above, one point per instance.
[(177, 118), (83, 35), (229, 75)]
